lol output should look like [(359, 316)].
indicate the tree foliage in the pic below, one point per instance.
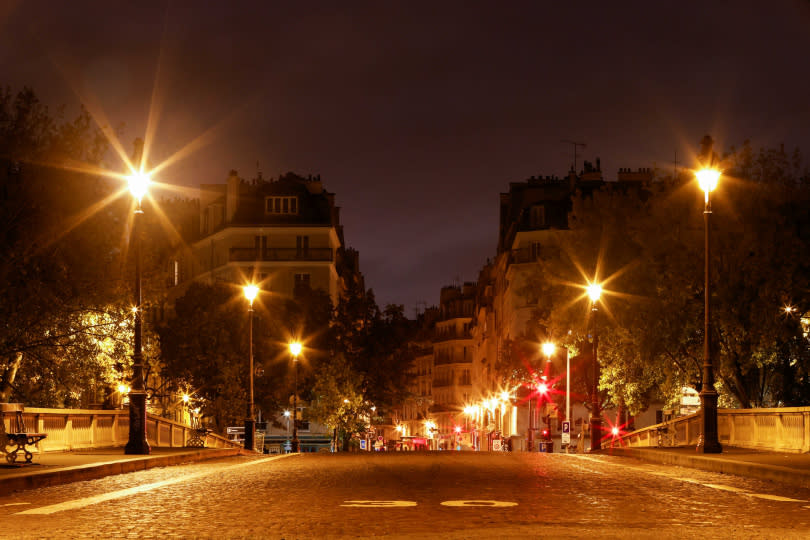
[(61, 258), (647, 246)]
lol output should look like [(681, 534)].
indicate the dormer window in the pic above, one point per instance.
[(281, 205)]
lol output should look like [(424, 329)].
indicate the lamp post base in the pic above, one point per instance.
[(250, 434), (137, 443), (709, 442), (296, 444)]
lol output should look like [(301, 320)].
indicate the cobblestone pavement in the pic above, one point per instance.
[(411, 495)]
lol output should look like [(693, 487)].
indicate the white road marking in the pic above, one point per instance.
[(775, 497), (379, 504), (15, 504), (732, 489), (87, 501), (479, 503), (721, 487)]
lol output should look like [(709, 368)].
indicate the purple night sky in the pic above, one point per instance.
[(418, 114)]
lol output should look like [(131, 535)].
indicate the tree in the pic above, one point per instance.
[(647, 244), (61, 257)]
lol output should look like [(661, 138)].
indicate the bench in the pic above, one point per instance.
[(200, 434), (18, 437)]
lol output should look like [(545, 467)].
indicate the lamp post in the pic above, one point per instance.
[(295, 350), (594, 293), (251, 291), (709, 442), (137, 443)]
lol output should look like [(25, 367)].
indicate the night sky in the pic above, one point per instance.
[(418, 114)]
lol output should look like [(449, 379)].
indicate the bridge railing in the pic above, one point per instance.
[(77, 429), (784, 429)]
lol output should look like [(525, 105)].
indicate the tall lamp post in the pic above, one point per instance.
[(295, 350), (251, 291), (709, 442), (137, 443), (594, 293)]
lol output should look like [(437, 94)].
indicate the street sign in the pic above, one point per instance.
[(362, 444), (566, 432)]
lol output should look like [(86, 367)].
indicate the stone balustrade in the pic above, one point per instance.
[(781, 429), (77, 429)]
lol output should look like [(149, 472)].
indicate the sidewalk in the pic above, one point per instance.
[(53, 468), (785, 468)]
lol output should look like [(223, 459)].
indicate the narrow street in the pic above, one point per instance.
[(445, 495)]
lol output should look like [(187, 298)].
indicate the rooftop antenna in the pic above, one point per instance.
[(575, 145)]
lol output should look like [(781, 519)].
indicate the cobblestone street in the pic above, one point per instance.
[(429, 495)]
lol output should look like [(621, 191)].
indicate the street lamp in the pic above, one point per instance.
[(709, 442), (251, 291), (594, 291), (295, 350), (137, 443)]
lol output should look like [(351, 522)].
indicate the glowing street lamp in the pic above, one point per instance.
[(137, 443), (594, 291), (295, 350), (250, 291), (709, 442)]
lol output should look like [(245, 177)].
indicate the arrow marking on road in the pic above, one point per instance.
[(87, 501)]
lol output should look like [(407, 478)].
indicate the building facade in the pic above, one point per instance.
[(283, 234)]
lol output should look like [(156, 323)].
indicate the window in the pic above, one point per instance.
[(281, 205), (301, 246), (537, 216), (535, 249)]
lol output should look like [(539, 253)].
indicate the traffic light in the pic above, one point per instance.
[(546, 435)]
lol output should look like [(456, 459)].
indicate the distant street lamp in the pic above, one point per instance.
[(594, 293), (137, 443), (295, 350), (709, 442), (250, 291)]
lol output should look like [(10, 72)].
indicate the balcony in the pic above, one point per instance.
[(280, 254), (452, 334), (444, 360)]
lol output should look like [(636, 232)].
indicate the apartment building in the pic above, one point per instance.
[(283, 233)]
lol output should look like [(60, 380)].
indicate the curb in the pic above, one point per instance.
[(775, 473), (78, 473)]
